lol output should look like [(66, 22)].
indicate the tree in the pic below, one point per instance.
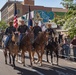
[(58, 20), (70, 23), (3, 25), (67, 3)]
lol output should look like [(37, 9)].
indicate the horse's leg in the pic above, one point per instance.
[(47, 55), (30, 58), (51, 56), (33, 56), (17, 57), (9, 58), (41, 59), (57, 56), (42, 52), (13, 57), (5, 54), (23, 57), (38, 56)]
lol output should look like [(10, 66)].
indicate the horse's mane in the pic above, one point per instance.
[(41, 38), (26, 40)]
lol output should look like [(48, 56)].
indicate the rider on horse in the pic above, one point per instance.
[(36, 30), (22, 29), (8, 32), (51, 31)]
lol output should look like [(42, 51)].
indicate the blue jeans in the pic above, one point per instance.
[(35, 36), (20, 38), (67, 51), (74, 52), (7, 40)]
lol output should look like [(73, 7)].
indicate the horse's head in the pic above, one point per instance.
[(27, 38), (43, 37), (15, 37), (30, 35)]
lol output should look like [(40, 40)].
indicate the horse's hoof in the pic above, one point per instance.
[(24, 65), (35, 62), (40, 65), (52, 64), (48, 61), (14, 67), (57, 64), (5, 62), (31, 64), (9, 62)]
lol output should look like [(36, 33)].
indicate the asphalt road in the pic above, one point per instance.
[(66, 67)]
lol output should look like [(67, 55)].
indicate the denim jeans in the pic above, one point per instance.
[(74, 52), (7, 40), (20, 38), (35, 36), (67, 51)]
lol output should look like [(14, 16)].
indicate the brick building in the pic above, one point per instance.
[(7, 11)]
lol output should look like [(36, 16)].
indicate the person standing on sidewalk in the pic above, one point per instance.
[(73, 42)]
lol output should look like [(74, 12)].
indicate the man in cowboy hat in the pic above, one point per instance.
[(8, 32), (50, 30), (22, 29), (36, 29)]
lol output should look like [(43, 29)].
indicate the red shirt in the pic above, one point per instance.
[(73, 42)]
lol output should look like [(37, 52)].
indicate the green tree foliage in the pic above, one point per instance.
[(58, 20), (68, 3), (3, 25), (70, 22)]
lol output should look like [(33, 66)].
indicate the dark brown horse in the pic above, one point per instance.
[(39, 45), (12, 49), (51, 47), (26, 46)]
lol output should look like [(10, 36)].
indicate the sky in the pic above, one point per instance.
[(46, 3)]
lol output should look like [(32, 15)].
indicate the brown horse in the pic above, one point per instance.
[(26, 46), (12, 49), (39, 45)]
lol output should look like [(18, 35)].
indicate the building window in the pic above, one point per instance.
[(18, 11)]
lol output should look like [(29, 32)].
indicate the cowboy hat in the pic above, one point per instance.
[(49, 24), (21, 20), (36, 22), (10, 21)]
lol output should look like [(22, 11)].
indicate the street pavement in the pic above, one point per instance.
[(65, 67)]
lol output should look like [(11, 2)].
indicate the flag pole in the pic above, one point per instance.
[(30, 23), (29, 11), (15, 15)]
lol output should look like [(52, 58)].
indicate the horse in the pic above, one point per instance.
[(26, 46), (39, 45), (12, 48), (51, 47)]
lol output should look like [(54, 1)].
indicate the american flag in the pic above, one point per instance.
[(15, 16)]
